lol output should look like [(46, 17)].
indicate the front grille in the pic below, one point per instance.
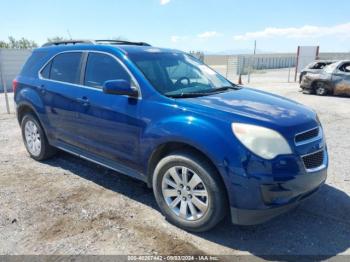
[(307, 135), (313, 160)]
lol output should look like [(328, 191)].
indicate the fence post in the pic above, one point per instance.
[(4, 86), (288, 74), (227, 64), (249, 68)]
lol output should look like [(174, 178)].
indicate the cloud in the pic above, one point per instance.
[(177, 38), (208, 34), (205, 35), (307, 31), (164, 2)]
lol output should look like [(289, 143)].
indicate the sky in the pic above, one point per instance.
[(212, 26)]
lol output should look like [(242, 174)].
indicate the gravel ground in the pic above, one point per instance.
[(69, 206)]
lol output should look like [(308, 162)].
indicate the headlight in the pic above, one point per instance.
[(262, 141)]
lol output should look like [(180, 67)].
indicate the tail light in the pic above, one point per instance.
[(14, 85)]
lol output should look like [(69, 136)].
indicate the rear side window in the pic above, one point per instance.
[(46, 71), (34, 63), (66, 67), (101, 68)]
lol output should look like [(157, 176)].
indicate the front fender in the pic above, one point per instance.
[(213, 138)]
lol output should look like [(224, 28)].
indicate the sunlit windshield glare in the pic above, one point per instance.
[(177, 74)]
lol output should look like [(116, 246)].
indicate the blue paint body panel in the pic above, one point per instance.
[(122, 133)]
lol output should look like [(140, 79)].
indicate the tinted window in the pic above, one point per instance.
[(102, 67), (345, 68), (46, 71), (319, 65), (66, 67), (34, 63)]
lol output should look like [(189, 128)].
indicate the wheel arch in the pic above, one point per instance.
[(329, 84), (24, 108), (167, 148)]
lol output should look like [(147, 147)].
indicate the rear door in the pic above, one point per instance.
[(341, 79), (60, 79)]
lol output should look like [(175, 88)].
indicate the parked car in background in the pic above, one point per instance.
[(206, 146), (314, 68), (333, 80)]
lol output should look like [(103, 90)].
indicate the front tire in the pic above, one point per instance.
[(35, 139), (189, 192), (320, 89)]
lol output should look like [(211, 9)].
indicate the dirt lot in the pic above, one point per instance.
[(70, 206)]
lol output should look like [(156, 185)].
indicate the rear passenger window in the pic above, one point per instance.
[(66, 67), (46, 71), (101, 68)]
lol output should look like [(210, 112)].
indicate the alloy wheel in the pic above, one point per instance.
[(185, 193), (33, 139), (320, 89)]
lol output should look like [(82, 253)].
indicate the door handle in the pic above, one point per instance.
[(84, 101)]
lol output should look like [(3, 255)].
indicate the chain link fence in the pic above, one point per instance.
[(272, 68), (279, 68)]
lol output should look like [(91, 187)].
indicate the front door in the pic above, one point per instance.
[(108, 125)]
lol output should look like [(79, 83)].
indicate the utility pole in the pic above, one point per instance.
[(254, 47), (250, 60)]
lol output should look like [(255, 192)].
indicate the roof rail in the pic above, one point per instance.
[(67, 42), (120, 42), (94, 42)]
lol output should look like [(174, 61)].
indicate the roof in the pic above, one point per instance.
[(145, 49), (124, 46)]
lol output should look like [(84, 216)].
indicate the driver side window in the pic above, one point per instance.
[(101, 68)]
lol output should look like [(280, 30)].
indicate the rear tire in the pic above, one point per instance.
[(320, 89), (189, 192), (34, 138)]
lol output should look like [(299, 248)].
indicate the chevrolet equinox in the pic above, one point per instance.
[(206, 146)]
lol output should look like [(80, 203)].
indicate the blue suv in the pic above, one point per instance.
[(206, 146)]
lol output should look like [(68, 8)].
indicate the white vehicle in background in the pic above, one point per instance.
[(315, 68)]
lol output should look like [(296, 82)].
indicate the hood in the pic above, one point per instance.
[(250, 105)]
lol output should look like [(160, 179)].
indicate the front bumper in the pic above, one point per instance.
[(262, 189), (279, 197), (306, 84)]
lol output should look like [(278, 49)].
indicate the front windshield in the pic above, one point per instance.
[(179, 75)]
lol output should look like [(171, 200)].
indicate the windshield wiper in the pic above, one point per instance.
[(224, 88), (204, 92), (187, 95)]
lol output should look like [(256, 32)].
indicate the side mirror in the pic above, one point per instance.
[(119, 87)]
